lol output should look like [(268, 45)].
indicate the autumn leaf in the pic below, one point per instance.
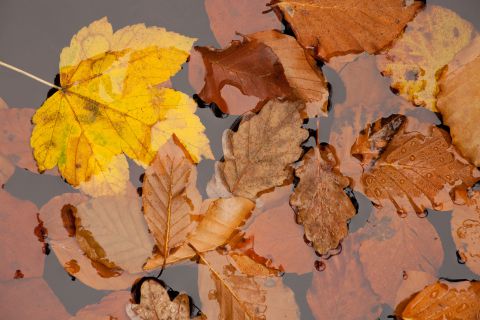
[(218, 224), (59, 219), (155, 304), (322, 206), (258, 156), (7, 170), (409, 243), (170, 197), (334, 28), (228, 18), (342, 288), (458, 101), (227, 293), (445, 300), (277, 236), (409, 170), (111, 230), (465, 226), (20, 248), (109, 105), (287, 71), (30, 299), (111, 306), (415, 61), (413, 282)]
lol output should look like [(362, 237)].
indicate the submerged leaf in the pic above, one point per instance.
[(227, 293), (459, 101), (258, 156), (465, 225), (335, 28), (170, 197), (111, 307), (321, 204), (445, 300), (287, 71), (429, 43), (109, 104), (410, 170), (112, 231)]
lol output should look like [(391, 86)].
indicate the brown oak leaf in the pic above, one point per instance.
[(321, 204), (445, 300), (258, 156), (266, 65), (334, 28), (409, 170)]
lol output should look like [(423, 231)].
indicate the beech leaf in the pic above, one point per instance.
[(321, 204), (334, 28)]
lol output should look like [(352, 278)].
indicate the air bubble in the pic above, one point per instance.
[(320, 265)]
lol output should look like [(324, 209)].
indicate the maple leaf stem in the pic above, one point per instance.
[(9, 66)]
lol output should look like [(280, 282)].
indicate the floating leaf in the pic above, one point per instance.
[(30, 299), (429, 43), (445, 300), (170, 197), (155, 304), (459, 101), (108, 105), (278, 237), (336, 28), (217, 226), (258, 156), (413, 282), (341, 291), (20, 248), (230, 17), (59, 219), (111, 306), (410, 243), (287, 72), (112, 231), (410, 170), (227, 293), (465, 226), (321, 205), (7, 169)]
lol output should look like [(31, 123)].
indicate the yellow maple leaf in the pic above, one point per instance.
[(110, 105)]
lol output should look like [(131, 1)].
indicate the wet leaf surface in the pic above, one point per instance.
[(322, 207)]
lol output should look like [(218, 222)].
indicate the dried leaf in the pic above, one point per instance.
[(409, 243), (58, 214), (341, 291), (217, 226), (278, 237), (170, 197), (445, 300), (30, 299), (321, 205), (416, 60), (111, 307), (459, 101), (336, 28), (230, 17), (155, 304), (465, 226), (410, 170), (20, 248), (286, 72), (111, 230), (413, 282), (109, 106), (258, 156), (226, 293)]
